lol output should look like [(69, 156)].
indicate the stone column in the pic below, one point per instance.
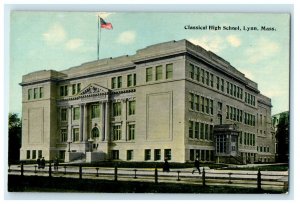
[(85, 123), (103, 121), (81, 124), (124, 119), (70, 124), (107, 119)]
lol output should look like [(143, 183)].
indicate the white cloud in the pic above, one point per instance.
[(104, 14), (74, 44), (209, 42), (263, 48), (126, 37), (55, 35), (271, 93), (247, 73), (233, 40)]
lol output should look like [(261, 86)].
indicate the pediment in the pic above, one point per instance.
[(93, 89)]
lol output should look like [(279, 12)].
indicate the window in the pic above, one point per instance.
[(197, 74), (28, 154), (192, 155), (241, 116), (202, 155), (119, 81), (211, 105), (197, 136), (113, 82), (129, 154), (167, 154), (95, 111), (202, 131), (219, 106), (41, 92), (158, 75), (131, 107), (207, 155), (169, 71), (241, 137), (191, 101), (63, 135), (116, 131), (147, 154), (218, 83), (33, 154), (64, 90), (202, 104), (35, 93), (117, 109), (40, 153), (191, 129), (78, 87), (149, 74), (63, 114), (131, 131), (134, 79), (74, 89), (129, 80), (207, 105), (95, 133), (202, 76), (221, 144), (157, 154), (207, 77), (211, 132), (76, 113), (29, 94), (197, 100), (115, 154), (234, 113), (227, 83), (241, 94), (206, 132), (75, 134), (192, 71), (231, 89), (227, 112), (211, 80), (222, 85)]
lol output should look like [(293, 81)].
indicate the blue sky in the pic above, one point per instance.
[(59, 40)]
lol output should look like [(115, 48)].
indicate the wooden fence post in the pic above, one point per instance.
[(178, 179), (97, 169), (259, 180), (203, 178), (116, 173), (80, 172), (22, 169), (135, 170), (50, 171), (156, 175)]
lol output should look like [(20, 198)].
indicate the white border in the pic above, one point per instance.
[(147, 5)]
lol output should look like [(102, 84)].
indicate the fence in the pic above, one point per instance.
[(254, 179)]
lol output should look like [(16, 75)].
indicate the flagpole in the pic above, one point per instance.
[(98, 37)]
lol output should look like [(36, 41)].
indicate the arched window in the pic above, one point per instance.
[(95, 132)]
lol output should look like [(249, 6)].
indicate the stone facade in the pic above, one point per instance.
[(162, 102)]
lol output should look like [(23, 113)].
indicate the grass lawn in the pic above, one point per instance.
[(57, 184), (282, 167)]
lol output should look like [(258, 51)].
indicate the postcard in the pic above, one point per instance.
[(117, 102)]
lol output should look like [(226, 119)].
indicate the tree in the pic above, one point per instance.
[(282, 136), (14, 137)]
